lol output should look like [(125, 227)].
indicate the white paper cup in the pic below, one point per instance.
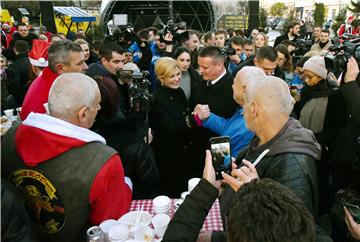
[(160, 223), (184, 194), (107, 224), (118, 233), (9, 113), (144, 234), (161, 204), (192, 183)]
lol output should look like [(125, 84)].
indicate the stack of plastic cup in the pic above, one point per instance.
[(161, 204), (192, 183), (160, 222), (118, 233)]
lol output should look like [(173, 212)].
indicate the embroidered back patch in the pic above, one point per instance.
[(42, 200)]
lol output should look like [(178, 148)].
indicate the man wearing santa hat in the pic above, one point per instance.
[(64, 57), (347, 28)]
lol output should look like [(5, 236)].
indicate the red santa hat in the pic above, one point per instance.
[(350, 18), (39, 53)]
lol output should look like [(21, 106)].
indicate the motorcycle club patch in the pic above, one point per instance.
[(42, 200)]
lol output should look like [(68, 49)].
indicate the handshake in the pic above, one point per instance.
[(202, 111)]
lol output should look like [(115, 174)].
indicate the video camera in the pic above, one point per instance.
[(341, 53), (124, 36), (138, 88), (172, 27), (302, 46), (228, 51)]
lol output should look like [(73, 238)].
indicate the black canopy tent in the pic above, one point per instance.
[(141, 14)]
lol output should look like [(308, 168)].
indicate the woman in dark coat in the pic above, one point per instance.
[(190, 78), (172, 123), (321, 109)]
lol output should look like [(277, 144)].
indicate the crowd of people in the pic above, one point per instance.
[(92, 137)]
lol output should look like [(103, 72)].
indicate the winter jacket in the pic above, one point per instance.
[(18, 76), (290, 161), (42, 140), (16, 225), (172, 124), (233, 127)]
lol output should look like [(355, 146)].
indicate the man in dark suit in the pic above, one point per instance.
[(214, 90), (266, 59), (292, 33)]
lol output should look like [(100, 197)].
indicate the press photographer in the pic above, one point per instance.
[(336, 61), (233, 53), (124, 129)]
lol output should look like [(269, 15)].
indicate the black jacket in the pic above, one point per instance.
[(195, 79), (345, 155), (127, 137), (336, 114), (16, 225), (280, 38), (9, 52), (290, 161), (250, 62), (18, 77), (172, 124)]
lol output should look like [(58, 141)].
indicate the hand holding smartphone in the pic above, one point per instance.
[(221, 156), (354, 210)]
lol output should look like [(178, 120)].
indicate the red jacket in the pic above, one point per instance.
[(38, 93), (110, 196), (341, 30)]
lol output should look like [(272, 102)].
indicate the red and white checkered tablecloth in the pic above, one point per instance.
[(212, 222)]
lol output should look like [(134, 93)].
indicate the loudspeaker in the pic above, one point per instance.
[(47, 16), (253, 20)]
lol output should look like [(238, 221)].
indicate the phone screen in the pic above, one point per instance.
[(221, 156), (354, 210)]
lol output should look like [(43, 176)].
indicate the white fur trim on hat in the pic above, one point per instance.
[(40, 62)]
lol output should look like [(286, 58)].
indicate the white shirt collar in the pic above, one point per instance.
[(61, 127), (218, 79)]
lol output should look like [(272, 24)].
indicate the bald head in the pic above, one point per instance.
[(246, 75), (70, 93), (272, 94), (249, 73)]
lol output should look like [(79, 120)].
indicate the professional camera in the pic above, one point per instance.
[(172, 27), (302, 46), (340, 54), (228, 51), (138, 86)]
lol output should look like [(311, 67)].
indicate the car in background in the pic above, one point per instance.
[(281, 25)]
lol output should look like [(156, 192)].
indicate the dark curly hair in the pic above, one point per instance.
[(266, 211)]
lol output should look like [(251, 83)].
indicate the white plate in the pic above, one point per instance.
[(130, 218)]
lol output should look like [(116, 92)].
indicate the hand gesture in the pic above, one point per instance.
[(353, 227), (352, 70), (209, 171), (168, 37), (241, 176), (203, 111), (234, 59)]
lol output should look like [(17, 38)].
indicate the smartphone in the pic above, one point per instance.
[(221, 156), (354, 210)]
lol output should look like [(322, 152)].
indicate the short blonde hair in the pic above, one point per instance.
[(164, 67)]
